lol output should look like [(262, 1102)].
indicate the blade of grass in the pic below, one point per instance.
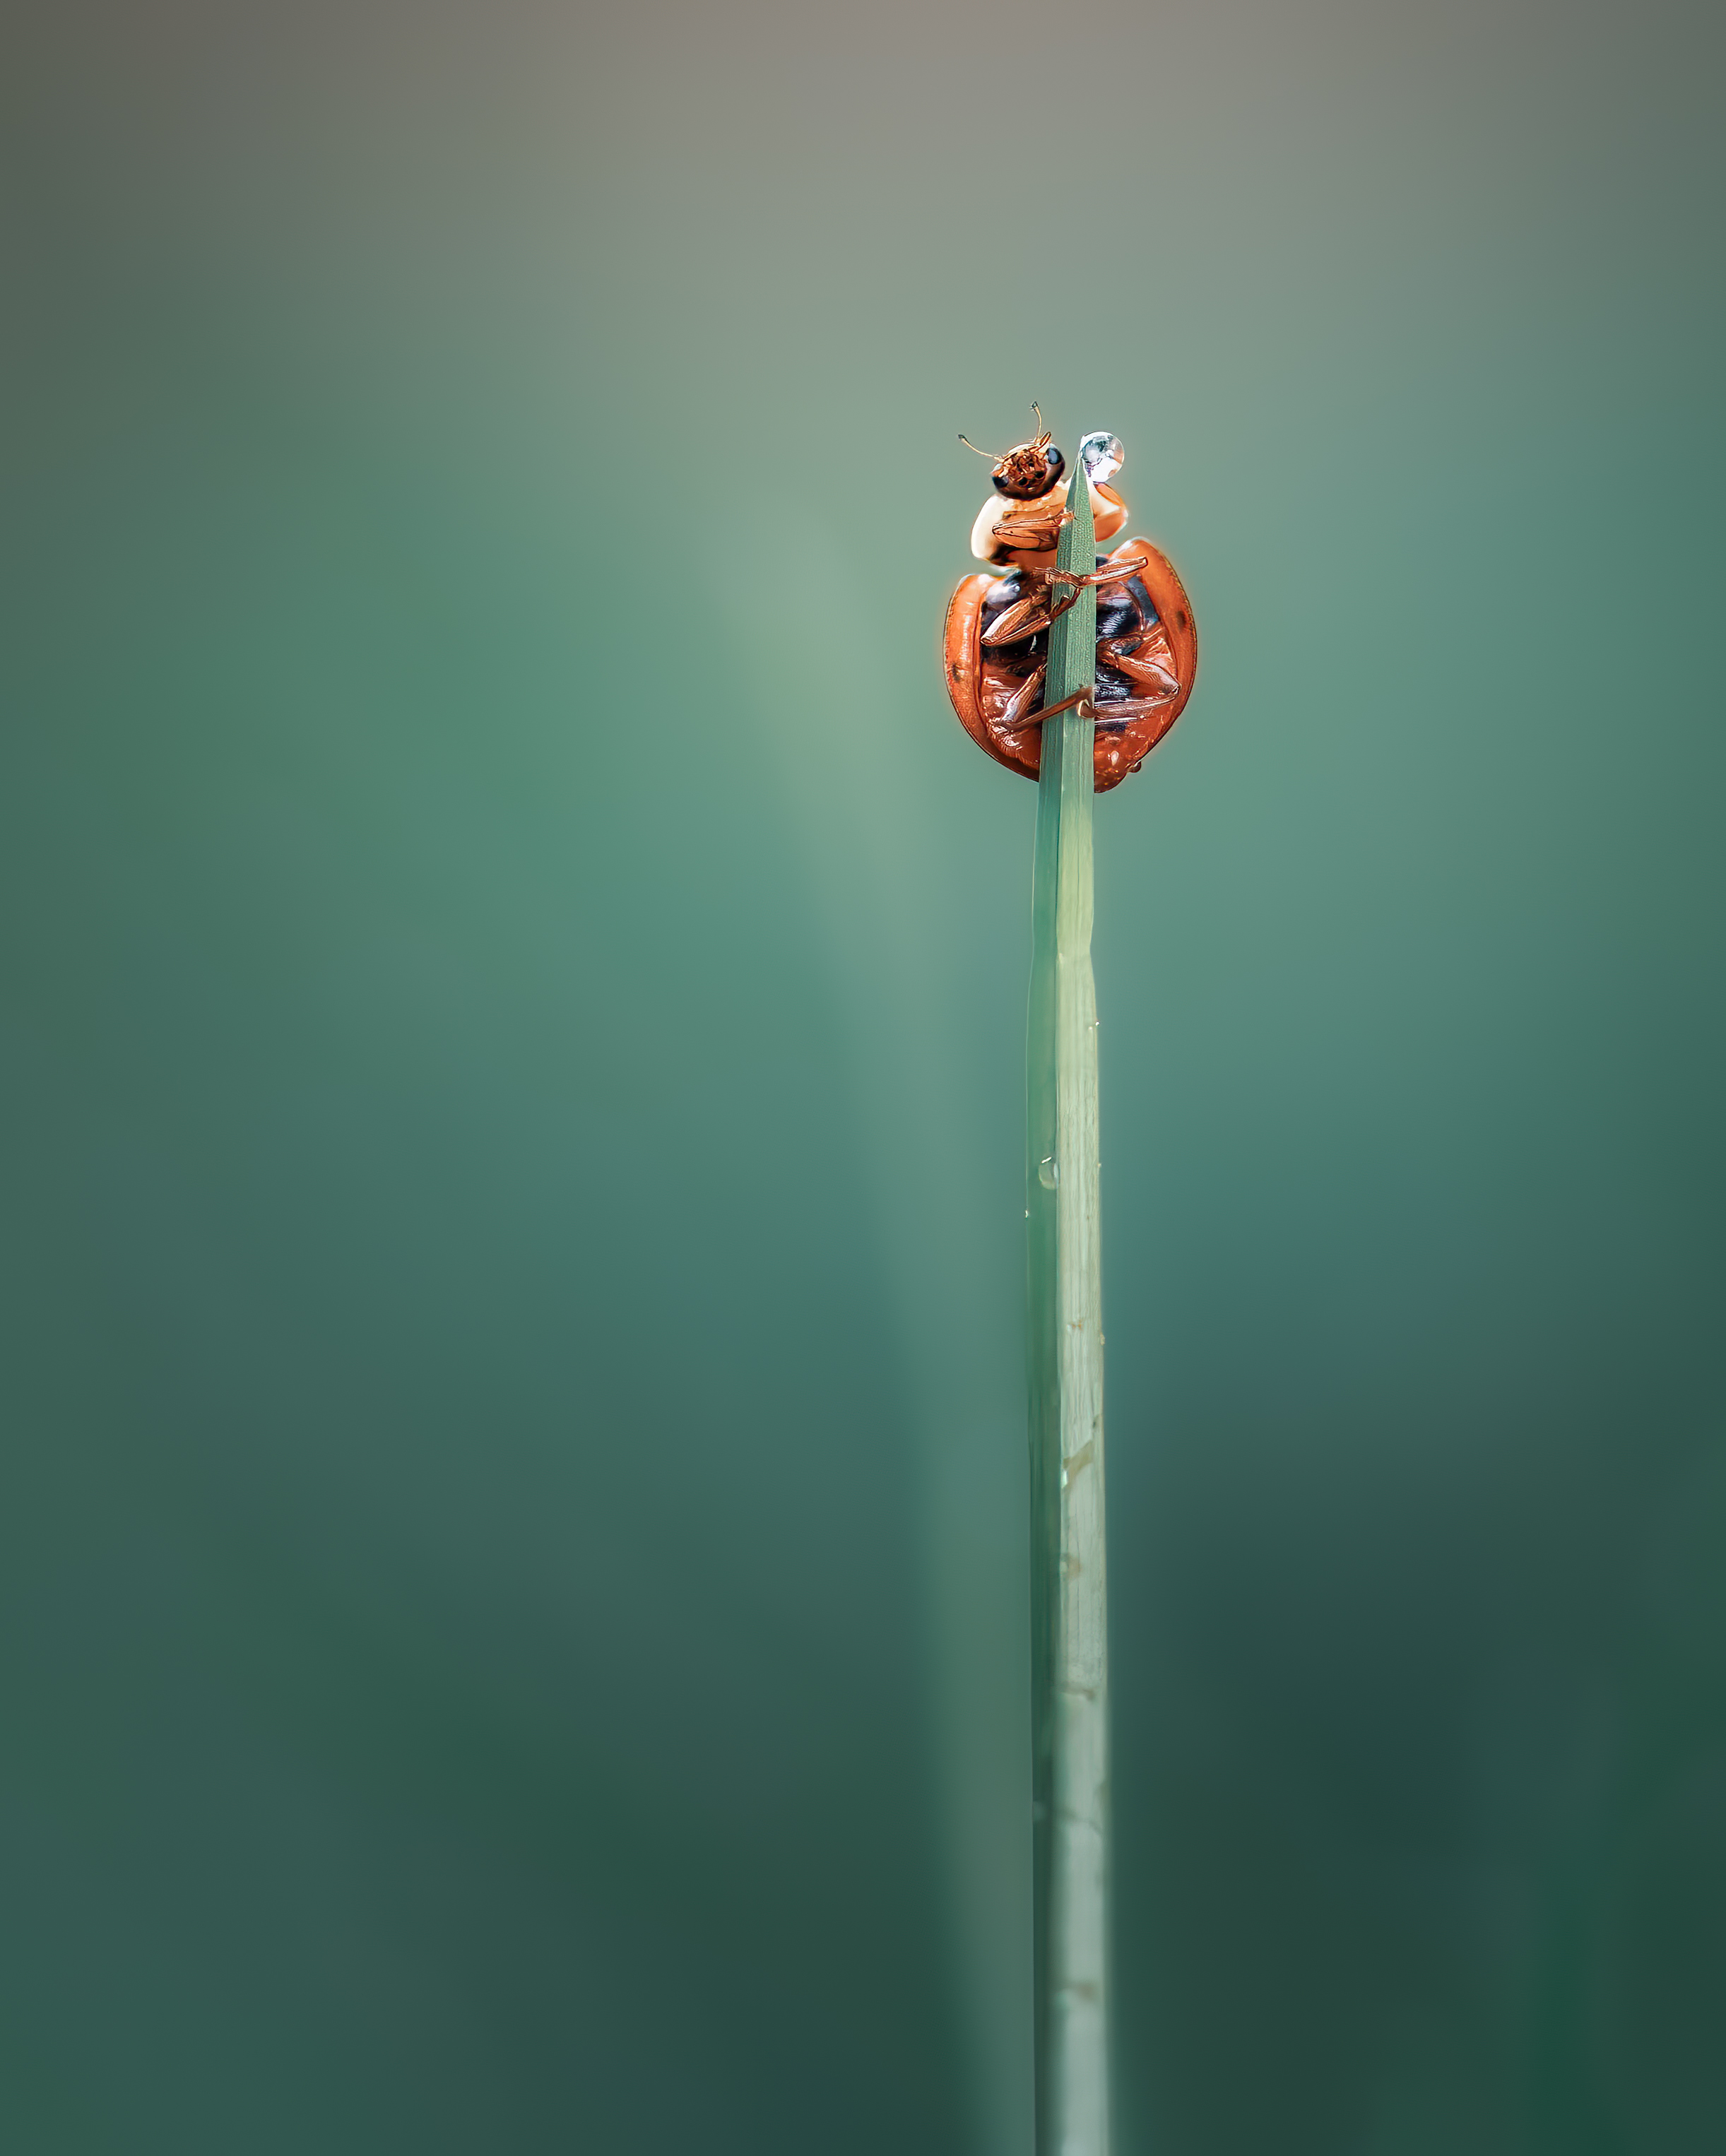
[(1070, 1642)]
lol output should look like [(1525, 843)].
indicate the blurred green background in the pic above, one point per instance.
[(513, 1510)]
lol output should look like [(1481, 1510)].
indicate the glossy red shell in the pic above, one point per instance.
[(1162, 654)]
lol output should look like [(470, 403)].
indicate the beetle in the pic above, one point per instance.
[(997, 640)]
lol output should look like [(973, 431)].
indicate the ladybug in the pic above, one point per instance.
[(997, 626)]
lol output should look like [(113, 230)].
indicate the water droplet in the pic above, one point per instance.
[(1049, 1173), (1102, 457)]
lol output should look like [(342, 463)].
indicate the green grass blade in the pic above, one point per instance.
[(1070, 1648)]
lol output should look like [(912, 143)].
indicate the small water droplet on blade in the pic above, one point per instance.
[(1102, 457)]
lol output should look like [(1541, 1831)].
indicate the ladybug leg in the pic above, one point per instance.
[(1023, 618), (1113, 573), (1151, 674), (1017, 711), (1080, 701), (1032, 531), (1027, 616)]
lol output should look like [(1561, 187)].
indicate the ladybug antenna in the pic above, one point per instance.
[(975, 451), (1042, 432)]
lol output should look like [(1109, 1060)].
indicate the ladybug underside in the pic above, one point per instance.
[(1138, 684)]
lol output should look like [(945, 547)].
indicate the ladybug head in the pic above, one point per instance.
[(1031, 469)]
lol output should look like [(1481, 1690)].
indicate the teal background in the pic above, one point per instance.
[(513, 1510)]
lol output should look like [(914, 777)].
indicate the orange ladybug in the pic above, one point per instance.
[(997, 626)]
